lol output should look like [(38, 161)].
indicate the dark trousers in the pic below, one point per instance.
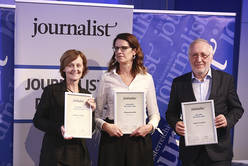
[(73, 155), (204, 160), (125, 151)]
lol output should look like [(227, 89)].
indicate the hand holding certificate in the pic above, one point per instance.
[(78, 115), (198, 118), (129, 111)]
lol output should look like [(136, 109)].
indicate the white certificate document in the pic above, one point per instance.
[(199, 122), (129, 110), (78, 115)]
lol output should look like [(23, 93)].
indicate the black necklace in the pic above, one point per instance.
[(69, 90)]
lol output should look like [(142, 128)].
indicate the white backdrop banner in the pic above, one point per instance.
[(44, 30)]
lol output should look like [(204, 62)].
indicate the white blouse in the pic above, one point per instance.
[(111, 82)]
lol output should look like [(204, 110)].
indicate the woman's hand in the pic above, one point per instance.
[(63, 133), (142, 130), (91, 102), (180, 129), (112, 130)]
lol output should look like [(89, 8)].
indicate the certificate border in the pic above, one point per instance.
[(115, 106), (65, 113), (211, 102)]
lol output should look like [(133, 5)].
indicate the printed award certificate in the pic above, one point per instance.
[(199, 122), (129, 110), (78, 115)]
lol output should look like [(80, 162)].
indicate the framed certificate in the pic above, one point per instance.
[(199, 122), (78, 115), (129, 110)]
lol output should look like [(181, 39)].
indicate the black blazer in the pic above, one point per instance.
[(49, 117), (226, 102)]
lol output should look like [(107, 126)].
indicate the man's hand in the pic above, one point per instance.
[(220, 121)]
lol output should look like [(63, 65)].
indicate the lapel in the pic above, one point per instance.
[(59, 92), (215, 81), (188, 89)]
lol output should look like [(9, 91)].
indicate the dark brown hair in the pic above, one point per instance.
[(68, 57), (138, 65)]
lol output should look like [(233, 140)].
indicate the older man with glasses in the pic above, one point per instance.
[(205, 83)]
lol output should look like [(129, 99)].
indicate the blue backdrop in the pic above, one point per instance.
[(164, 38), (6, 85)]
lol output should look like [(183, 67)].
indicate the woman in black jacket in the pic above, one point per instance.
[(58, 150)]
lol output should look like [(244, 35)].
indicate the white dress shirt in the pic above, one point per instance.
[(111, 82), (202, 89)]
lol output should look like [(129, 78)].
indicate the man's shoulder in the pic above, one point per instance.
[(222, 74), (186, 76)]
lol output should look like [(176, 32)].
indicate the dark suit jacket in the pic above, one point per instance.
[(49, 117), (226, 102)]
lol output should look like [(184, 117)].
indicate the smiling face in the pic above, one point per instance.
[(200, 57), (123, 52), (74, 70)]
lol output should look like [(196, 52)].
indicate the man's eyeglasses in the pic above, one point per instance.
[(203, 56), (122, 48)]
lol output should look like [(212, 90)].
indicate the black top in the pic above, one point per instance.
[(49, 117)]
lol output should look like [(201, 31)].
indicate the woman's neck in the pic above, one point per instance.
[(125, 74), (125, 69), (72, 86)]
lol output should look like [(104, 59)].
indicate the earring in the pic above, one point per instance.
[(134, 56)]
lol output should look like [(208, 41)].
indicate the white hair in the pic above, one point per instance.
[(211, 50)]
